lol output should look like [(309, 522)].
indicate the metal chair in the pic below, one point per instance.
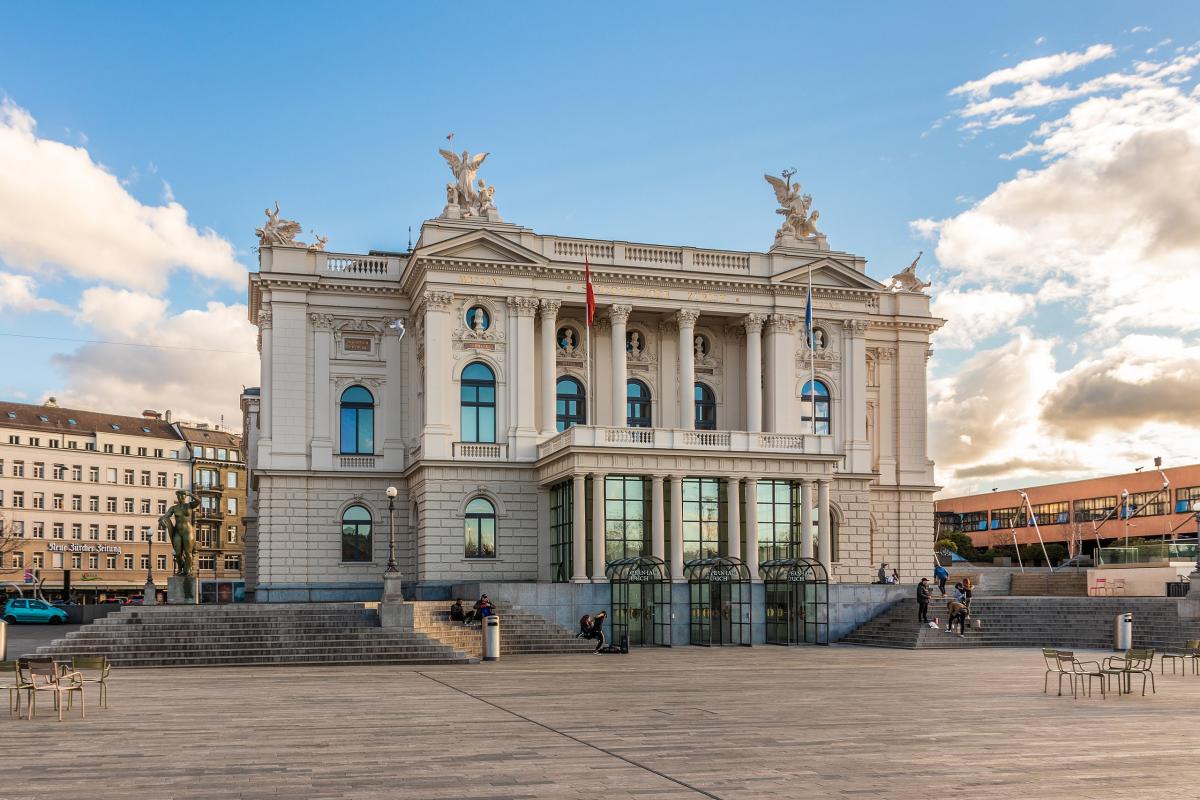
[(1078, 670), (1116, 587), (93, 669), (1051, 658), (1135, 661), (1100, 587), (12, 678), (44, 676), (1190, 652)]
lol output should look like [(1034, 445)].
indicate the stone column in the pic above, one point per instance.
[(321, 448), (733, 505), (578, 529), (677, 528), (854, 396), (521, 367), (548, 314), (824, 543), (751, 558), (264, 405), (784, 416), (686, 319), (439, 404), (618, 315), (598, 559), (658, 539), (754, 384), (806, 514)]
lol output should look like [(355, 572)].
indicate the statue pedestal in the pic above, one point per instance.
[(149, 594), (393, 611), (1189, 607), (181, 590)]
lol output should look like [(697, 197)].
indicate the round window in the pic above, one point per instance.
[(478, 319)]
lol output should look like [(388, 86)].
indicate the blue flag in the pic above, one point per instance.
[(808, 320)]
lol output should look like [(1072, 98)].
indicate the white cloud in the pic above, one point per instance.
[(60, 209), (1139, 29), (1035, 69), (201, 358), (18, 293), (972, 315), (1040, 40)]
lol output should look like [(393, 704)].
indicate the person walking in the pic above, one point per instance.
[(968, 590), (941, 575), (923, 594)]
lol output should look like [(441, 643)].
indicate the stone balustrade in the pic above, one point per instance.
[(679, 439)]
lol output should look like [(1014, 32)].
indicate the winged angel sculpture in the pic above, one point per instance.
[(278, 230), (906, 280), (471, 200), (794, 206)]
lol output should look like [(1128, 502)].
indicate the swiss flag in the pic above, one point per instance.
[(591, 295)]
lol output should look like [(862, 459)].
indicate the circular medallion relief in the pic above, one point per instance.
[(478, 319)]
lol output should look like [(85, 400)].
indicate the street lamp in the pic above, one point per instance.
[(391, 496)]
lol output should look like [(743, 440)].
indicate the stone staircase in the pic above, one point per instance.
[(1077, 622), (252, 634), (521, 632)]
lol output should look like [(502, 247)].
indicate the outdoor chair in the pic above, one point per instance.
[(12, 678), (93, 669), (1117, 587), (1052, 666), (1190, 652), (1078, 670), (1061, 659), (1134, 662), (44, 676), (1099, 587)]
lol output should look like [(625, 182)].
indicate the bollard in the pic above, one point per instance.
[(491, 638), (3, 641)]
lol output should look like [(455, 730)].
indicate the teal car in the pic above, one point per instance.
[(33, 611)]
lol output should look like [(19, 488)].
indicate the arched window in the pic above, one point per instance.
[(478, 403), (570, 403), (480, 529), (358, 421), (814, 395), (637, 404), (356, 534), (706, 408)]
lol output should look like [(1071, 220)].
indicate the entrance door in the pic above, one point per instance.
[(636, 612), (720, 613)]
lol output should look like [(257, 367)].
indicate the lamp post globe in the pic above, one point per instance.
[(391, 496)]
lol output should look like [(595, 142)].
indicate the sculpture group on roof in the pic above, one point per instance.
[(799, 220), (283, 232), (466, 196)]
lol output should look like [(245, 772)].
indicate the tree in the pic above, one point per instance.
[(11, 543)]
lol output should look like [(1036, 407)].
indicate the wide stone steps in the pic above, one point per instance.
[(251, 635), (1032, 622), (521, 632)]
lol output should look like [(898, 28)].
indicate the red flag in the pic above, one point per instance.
[(591, 295)]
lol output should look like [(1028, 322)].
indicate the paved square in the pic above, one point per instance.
[(685, 723)]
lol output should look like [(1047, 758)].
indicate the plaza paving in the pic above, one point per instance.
[(684, 723)]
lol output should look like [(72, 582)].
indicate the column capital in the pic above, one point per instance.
[(597, 475), (750, 481), (686, 317), (601, 324), (548, 310), (264, 319), (522, 306), (668, 327), (855, 327), (754, 323), (321, 321), (824, 481), (784, 323), (436, 301), (619, 313), (675, 478)]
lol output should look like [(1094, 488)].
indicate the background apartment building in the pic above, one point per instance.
[(218, 478)]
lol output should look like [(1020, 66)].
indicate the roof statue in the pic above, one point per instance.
[(798, 222), (278, 230), (319, 241), (906, 280), (465, 197)]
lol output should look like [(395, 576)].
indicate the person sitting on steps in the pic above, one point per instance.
[(592, 628), (483, 608), (456, 611)]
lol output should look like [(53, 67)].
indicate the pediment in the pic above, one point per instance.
[(483, 245), (828, 272)]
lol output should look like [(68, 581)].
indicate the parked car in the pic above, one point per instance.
[(1077, 561), (33, 611)]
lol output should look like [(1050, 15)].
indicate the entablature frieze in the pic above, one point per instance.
[(562, 464)]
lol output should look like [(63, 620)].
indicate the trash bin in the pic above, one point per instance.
[(491, 638), (1123, 631), (3, 640)]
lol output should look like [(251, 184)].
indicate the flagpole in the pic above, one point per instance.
[(812, 360), (587, 406)]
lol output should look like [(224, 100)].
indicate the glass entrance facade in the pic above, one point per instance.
[(719, 593), (562, 508), (703, 513), (625, 528), (641, 601), (797, 593), (778, 520)]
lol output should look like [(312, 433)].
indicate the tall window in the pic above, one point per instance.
[(637, 404), (480, 529), (702, 513), (624, 517), (562, 500), (478, 401), (778, 520), (358, 421), (569, 409), (814, 395), (356, 534), (706, 408)]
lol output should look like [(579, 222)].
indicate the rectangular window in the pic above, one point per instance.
[(94, 474), (111, 474), (76, 530), (161, 564), (35, 442), (56, 502), (703, 511), (94, 532), (76, 472), (76, 561), (145, 476), (1095, 509), (233, 563), (231, 480), (145, 559), (221, 454), (110, 533), (231, 506), (1185, 497), (77, 502), (125, 450), (158, 453), (141, 451), (110, 505), (90, 446), (54, 443), (161, 479), (18, 560), (93, 562), (56, 530), (145, 533), (39, 530), (177, 480), (39, 469), (145, 505), (128, 559), (127, 505), (197, 451), (39, 500), (18, 469), (208, 453), (60, 472), (232, 534), (39, 560), (93, 503), (128, 533), (110, 562), (1148, 504), (1004, 519), (56, 560), (128, 477), (778, 520), (625, 528), (972, 521), (208, 562), (18, 499)]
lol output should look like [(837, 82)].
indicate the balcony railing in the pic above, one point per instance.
[(480, 451), (679, 439), (1147, 553), (356, 462)]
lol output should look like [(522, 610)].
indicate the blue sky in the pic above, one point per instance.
[(646, 122)]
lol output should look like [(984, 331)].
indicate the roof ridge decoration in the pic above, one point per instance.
[(799, 218), (466, 197)]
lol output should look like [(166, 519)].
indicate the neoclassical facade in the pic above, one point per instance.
[(692, 420)]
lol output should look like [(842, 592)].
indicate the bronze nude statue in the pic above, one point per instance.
[(178, 523)]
